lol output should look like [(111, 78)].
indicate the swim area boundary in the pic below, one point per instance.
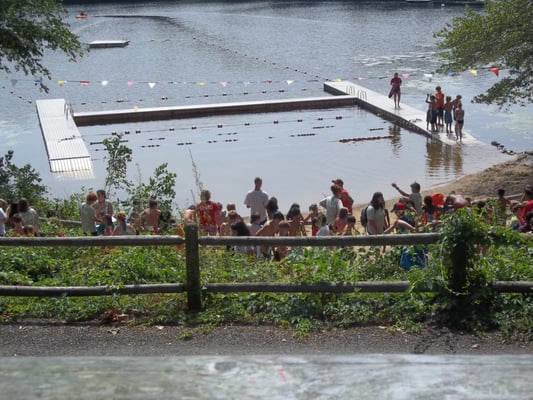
[(67, 151)]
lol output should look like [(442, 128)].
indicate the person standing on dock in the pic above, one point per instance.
[(395, 92), (448, 114), (459, 122), (431, 118), (439, 96)]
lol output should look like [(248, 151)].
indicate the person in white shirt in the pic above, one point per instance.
[(332, 204), (256, 200)]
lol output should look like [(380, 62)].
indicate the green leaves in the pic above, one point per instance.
[(17, 182), (118, 157), (27, 28), (502, 35)]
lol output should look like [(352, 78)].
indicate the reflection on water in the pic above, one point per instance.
[(396, 140), (443, 160)]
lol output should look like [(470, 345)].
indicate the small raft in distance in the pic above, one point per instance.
[(104, 44)]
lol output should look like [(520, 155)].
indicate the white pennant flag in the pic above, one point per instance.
[(289, 82), (224, 83), (151, 84), (104, 83)]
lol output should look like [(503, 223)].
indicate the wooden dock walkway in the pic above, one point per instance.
[(406, 116), (64, 144)]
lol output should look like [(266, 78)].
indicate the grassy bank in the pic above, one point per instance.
[(493, 254)]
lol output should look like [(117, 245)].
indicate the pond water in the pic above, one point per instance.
[(189, 53)]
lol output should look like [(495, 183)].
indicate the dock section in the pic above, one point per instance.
[(209, 110), (64, 144), (67, 151), (406, 116)]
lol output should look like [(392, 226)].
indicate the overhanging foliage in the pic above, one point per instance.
[(502, 35)]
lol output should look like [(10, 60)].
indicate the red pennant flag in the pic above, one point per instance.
[(496, 70), (84, 83)]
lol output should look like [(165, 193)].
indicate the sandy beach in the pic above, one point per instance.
[(512, 175)]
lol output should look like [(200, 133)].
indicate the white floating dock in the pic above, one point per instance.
[(64, 144), (67, 151), (104, 44)]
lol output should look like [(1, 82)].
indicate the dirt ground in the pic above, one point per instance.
[(55, 338), (512, 176)]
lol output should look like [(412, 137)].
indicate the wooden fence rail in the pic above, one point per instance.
[(193, 285)]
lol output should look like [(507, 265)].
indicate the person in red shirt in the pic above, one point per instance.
[(395, 92), (207, 210), (344, 196)]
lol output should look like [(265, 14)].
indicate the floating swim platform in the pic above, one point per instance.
[(104, 44), (64, 144)]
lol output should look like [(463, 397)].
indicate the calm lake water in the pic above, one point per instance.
[(186, 53)]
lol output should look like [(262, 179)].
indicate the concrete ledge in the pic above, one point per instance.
[(373, 376)]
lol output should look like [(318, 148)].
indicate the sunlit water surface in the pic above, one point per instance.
[(190, 53)]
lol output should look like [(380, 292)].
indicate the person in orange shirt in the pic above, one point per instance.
[(439, 96)]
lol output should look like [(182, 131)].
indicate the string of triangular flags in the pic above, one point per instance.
[(288, 82)]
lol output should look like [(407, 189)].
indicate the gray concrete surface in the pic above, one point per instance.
[(372, 376)]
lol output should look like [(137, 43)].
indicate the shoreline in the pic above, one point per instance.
[(512, 175)]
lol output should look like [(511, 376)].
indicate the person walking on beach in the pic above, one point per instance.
[(206, 211), (256, 200), (459, 122), (346, 199), (376, 214), (395, 91), (332, 204)]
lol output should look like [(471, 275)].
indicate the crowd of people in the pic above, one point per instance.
[(97, 217), (19, 219), (332, 215)]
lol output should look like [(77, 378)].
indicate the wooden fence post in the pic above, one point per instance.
[(192, 255)]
